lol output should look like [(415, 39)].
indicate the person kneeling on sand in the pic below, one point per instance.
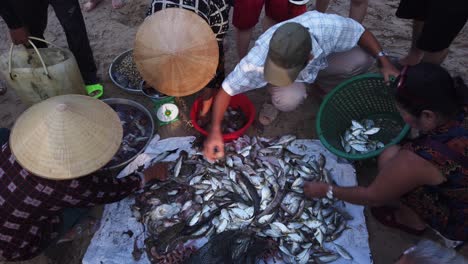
[(49, 171), (311, 48), (423, 182)]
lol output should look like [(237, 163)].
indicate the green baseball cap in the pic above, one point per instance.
[(288, 54)]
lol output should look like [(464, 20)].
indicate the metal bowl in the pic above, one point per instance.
[(122, 101), (154, 94), (112, 69)]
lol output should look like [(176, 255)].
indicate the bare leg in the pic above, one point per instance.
[(358, 10), (414, 55), (116, 4), (435, 57), (90, 5), (243, 40), (408, 217), (207, 101), (342, 66), (322, 5), (267, 23)]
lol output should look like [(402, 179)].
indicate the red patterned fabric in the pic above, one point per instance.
[(444, 207), (30, 206)]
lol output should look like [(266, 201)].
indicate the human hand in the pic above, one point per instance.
[(158, 171), (214, 146), (315, 189), (19, 36), (388, 70)]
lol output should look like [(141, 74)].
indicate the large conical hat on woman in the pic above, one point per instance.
[(176, 52), (65, 137)]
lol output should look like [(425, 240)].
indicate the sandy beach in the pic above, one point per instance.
[(112, 32)]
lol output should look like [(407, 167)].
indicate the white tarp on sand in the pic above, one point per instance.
[(111, 244)]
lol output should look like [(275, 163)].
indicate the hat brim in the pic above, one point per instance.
[(66, 137), (176, 52), (279, 76)]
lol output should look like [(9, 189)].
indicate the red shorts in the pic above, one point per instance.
[(247, 12)]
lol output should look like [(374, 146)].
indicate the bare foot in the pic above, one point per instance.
[(116, 4), (268, 114), (91, 4)]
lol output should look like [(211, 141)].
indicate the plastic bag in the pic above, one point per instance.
[(38, 74)]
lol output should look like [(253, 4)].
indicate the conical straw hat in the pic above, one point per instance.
[(65, 137), (176, 52)]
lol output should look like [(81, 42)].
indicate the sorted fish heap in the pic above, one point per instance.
[(258, 187), (356, 139), (234, 119), (127, 74), (136, 132)]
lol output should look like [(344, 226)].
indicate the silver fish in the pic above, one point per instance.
[(356, 124), (372, 131), (215, 197), (195, 218), (356, 139), (343, 253), (328, 258)]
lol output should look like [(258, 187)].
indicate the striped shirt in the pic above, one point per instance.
[(329, 33)]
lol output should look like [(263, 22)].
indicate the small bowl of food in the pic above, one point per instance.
[(124, 73)]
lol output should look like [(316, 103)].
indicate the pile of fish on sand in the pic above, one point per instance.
[(234, 119), (356, 139), (253, 198)]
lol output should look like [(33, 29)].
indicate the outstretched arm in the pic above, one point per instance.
[(214, 144), (369, 43), (394, 180)]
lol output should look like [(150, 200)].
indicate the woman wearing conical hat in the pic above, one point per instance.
[(178, 46), (50, 164)]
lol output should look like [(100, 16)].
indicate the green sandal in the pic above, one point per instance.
[(95, 90)]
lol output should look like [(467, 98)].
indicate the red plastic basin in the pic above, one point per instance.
[(241, 101)]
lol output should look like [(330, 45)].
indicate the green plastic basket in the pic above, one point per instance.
[(362, 97)]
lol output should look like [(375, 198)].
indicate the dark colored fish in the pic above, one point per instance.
[(234, 247), (252, 192), (274, 204)]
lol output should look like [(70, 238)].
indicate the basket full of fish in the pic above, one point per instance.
[(248, 207), (359, 118), (358, 138)]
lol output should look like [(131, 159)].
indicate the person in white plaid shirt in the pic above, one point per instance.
[(310, 47)]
